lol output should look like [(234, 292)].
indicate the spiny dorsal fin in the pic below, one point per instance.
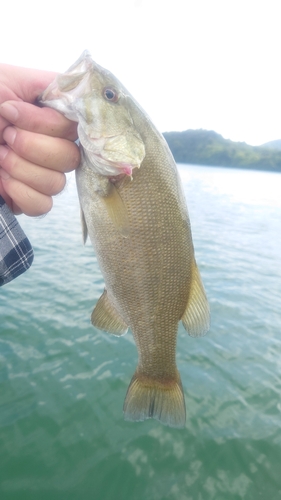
[(105, 317), (196, 317)]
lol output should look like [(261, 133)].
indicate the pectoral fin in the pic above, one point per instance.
[(196, 317), (84, 226), (105, 317), (117, 210)]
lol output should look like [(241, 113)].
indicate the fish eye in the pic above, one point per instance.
[(110, 94)]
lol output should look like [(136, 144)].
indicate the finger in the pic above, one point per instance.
[(25, 198), (50, 152), (25, 83), (3, 193), (3, 124), (44, 180), (45, 121), (13, 207)]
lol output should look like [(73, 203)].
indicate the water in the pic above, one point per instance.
[(62, 383)]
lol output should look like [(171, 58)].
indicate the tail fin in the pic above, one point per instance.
[(150, 398)]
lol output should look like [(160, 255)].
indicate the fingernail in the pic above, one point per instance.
[(9, 135), (3, 152), (9, 112), (4, 175)]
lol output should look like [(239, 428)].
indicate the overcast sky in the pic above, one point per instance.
[(211, 64)]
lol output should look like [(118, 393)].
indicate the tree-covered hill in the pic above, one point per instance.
[(205, 147), (272, 144)]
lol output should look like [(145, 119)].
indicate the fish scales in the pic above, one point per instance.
[(143, 269), (138, 223)]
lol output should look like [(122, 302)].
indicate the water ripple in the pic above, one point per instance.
[(63, 383)]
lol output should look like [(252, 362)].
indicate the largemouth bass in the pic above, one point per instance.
[(134, 210)]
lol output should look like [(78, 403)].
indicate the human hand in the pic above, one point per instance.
[(36, 144)]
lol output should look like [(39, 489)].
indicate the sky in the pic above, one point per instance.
[(191, 64)]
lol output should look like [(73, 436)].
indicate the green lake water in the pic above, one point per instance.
[(63, 383)]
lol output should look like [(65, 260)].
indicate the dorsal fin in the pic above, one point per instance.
[(196, 317)]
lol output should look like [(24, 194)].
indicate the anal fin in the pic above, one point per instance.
[(196, 317), (105, 317)]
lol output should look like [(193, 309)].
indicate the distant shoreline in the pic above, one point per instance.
[(185, 164), (208, 148)]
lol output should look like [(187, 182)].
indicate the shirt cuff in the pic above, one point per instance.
[(16, 253)]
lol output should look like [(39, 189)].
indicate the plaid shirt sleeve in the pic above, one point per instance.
[(16, 254)]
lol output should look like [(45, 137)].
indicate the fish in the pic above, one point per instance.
[(134, 210)]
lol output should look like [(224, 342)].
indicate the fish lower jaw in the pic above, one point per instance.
[(111, 169), (124, 168)]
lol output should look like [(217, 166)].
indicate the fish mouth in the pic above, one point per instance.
[(117, 168), (125, 168), (108, 155)]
